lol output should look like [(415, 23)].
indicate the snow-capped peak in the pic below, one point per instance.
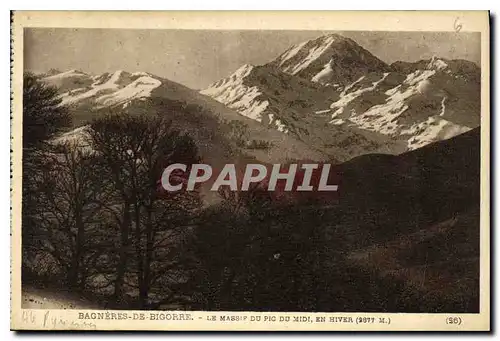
[(292, 51), (315, 48), (437, 64), (66, 74), (314, 53), (107, 89), (141, 73), (334, 79), (329, 59), (243, 71), (233, 92), (116, 76)]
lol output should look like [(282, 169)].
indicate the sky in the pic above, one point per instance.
[(197, 58)]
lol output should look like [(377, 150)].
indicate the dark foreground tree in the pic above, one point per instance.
[(43, 117), (43, 114), (134, 151), (69, 201)]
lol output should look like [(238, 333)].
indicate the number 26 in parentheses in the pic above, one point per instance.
[(454, 320)]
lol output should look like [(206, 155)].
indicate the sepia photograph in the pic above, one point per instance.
[(244, 172)]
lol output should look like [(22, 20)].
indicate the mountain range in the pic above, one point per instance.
[(323, 99), (405, 137), (334, 93)]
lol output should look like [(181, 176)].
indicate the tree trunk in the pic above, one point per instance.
[(74, 273), (123, 254), (143, 290), (150, 236)]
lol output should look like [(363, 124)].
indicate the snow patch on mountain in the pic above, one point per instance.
[(443, 106), (382, 118), (140, 74), (119, 87), (407, 103), (325, 73), (277, 122), (352, 85), (437, 64), (96, 89), (314, 53), (329, 59), (66, 74), (337, 121), (385, 118), (232, 92), (78, 137), (74, 135), (68, 80), (347, 97), (243, 71), (290, 53), (433, 129), (140, 88)]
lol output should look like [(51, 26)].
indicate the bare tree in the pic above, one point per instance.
[(69, 197), (43, 116), (135, 151)]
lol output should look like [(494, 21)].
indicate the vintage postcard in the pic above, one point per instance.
[(250, 171)]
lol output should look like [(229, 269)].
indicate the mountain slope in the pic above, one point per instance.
[(296, 107), (337, 97), (429, 104), (330, 59), (222, 133), (416, 217), (82, 90), (265, 94)]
